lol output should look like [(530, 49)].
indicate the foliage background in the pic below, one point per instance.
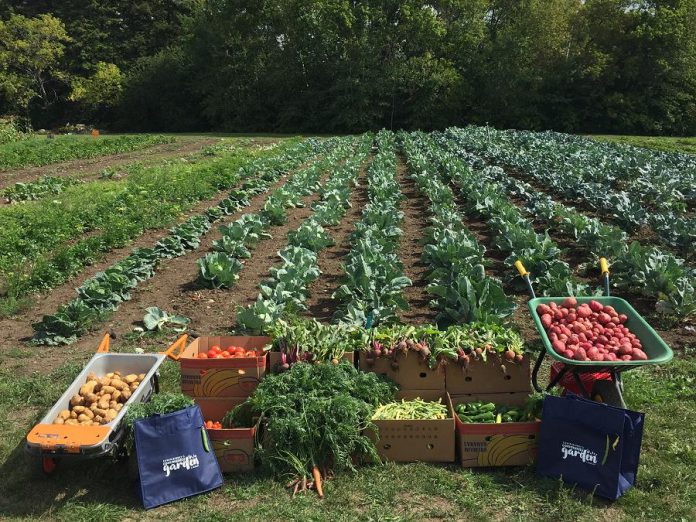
[(617, 66)]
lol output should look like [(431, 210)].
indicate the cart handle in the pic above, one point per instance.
[(104, 344), (604, 268), (525, 275), (174, 351), (520, 268)]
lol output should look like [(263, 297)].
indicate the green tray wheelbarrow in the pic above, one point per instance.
[(603, 378)]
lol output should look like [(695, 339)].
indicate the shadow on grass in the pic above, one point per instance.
[(28, 491)]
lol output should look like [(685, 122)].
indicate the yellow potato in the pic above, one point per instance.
[(59, 420), (134, 385), (82, 418), (110, 375), (103, 403), (99, 412), (77, 400), (71, 422), (91, 398), (73, 415), (88, 388), (108, 389), (141, 377), (119, 385), (64, 414), (131, 378), (126, 394), (118, 407)]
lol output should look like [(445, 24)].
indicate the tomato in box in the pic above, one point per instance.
[(224, 376)]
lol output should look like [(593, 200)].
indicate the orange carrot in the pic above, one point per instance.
[(317, 481)]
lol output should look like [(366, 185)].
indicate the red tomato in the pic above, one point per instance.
[(212, 354), (238, 349), (225, 355), (209, 424), (238, 355), (251, 354), (202, 355), (215, 348)]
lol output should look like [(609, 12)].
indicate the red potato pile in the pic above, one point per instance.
[(589, 332)]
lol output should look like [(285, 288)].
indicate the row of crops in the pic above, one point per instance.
[(463, 175)]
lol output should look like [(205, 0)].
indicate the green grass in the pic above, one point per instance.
[(100, 490), (42, 243), (662, 143), (39, 150)]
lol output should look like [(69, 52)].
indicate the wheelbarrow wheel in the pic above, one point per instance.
[(48, 465), (608, 392)]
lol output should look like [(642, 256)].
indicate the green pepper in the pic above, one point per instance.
[(487, 407)]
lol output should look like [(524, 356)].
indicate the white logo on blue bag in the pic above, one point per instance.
[(575, 450), (176, 463)]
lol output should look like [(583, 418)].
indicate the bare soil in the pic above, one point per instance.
[(415, 209), (320, 304)]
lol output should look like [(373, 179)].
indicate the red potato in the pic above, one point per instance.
[(543, 309), (589, 331), (570, 302)]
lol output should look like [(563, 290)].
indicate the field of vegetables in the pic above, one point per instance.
[(380, 228)]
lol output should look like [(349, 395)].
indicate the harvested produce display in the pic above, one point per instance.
[(589, 332), (489, 412), (100, 399), (414, 409), (213, 425)]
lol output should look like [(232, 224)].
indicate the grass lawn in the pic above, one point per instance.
[(101, 490), (663, 143)]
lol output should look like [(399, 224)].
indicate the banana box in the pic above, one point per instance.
[(233, 447), (491, 444), (410, 371), (231, 377), (490, 376), (405, 440)]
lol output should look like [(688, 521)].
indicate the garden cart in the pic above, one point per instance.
[(597, 380), (51, 442)]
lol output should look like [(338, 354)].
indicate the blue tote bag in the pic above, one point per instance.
[(592, 445), (175, 457)]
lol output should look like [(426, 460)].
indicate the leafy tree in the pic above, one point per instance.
[(30, 54)]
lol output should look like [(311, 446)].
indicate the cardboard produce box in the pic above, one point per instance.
[(412, 372), (234, 448), (417, 440), (505, 444), (487, 377), (275, 360), (219, 377)]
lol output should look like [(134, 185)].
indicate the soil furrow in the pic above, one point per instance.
[(90, 168), (320, 304), (415, 222)]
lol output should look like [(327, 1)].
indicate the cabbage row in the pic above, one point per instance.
[(104, 293), (456, 276), (371, 290)]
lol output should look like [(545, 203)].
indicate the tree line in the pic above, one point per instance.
[(620, 66)]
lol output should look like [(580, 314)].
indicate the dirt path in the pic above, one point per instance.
[(320, 304), (415, 209), (90, 167)]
